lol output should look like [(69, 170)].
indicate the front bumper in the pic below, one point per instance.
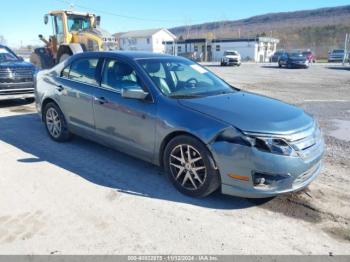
[(231, 63), (21, 90), (292, 173), (300, 65)]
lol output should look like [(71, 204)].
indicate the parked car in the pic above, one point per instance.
[(174, 113), (276, 56), (310, 56), (293, 60), (16, 76), (231, 58), (336, 55)]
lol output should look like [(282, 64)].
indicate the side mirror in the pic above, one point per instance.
[(46, 19), (21, 59), (134, 93)]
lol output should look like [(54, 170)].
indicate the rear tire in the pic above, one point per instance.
[(190, 167), (55, 123)]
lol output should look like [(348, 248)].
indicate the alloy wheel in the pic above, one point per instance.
[(187, 167), (53, 122)]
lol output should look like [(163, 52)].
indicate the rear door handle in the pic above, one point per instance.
[(101, 100), (60, 88)]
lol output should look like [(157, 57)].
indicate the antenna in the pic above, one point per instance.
[(71, 7)]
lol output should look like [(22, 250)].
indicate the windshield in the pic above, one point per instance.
[(183, 78), (78, 23), (6, 56), (230, 53), (338, 51), (295, 55)]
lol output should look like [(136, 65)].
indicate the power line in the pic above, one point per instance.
[(117, 15)]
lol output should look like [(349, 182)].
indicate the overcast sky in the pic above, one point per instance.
[(22, 20)]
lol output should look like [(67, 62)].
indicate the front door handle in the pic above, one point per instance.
[(101, 100)]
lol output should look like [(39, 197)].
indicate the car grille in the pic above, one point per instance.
[(17, 92), (233, 60), (16, 75), (307, 143)]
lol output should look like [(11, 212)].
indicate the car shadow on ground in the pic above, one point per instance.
[(271, 66), (100, 165), (214, 65), (339, 68), (15, 102)]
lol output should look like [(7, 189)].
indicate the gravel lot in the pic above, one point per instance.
[(83, 198)]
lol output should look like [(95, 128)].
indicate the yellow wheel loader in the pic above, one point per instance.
[(73, 33)]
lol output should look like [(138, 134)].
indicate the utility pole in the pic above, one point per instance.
[(346, 55)]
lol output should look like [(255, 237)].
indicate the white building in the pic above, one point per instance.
[(145, 40), (258, 49)]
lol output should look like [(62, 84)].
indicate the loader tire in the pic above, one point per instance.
[(63, 53)]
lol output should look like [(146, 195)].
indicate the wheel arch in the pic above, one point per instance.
[(44, 103), (177, 133)]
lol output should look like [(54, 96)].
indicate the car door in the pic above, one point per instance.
[(128, 124), (282, 59), (77, 85)]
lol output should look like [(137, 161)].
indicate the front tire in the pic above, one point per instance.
[(30, 100), (190, 167), (55, 123)]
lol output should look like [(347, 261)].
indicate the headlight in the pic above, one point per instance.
[(273, 145), (263, 143)]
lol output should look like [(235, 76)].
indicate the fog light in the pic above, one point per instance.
[(263, 180), (259, 181)]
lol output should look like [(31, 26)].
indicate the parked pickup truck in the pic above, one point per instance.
[(16, 76)]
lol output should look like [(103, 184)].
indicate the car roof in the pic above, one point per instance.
[(133, 55)]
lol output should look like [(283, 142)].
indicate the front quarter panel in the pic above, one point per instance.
[(173, 118)]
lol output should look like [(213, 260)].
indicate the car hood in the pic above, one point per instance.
[(232, 56), (252, 113), (12, 64)]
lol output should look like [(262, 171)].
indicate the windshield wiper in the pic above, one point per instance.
[(185, 96)]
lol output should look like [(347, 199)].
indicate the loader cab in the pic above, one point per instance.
[(65, 24), (72, 33)]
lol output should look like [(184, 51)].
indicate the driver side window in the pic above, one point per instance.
[(118, 75)]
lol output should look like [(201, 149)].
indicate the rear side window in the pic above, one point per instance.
[(84, 70)]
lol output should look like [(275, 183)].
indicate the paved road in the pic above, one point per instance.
[(83, 198)]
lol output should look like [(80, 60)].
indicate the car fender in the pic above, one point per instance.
[(177, 119)]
